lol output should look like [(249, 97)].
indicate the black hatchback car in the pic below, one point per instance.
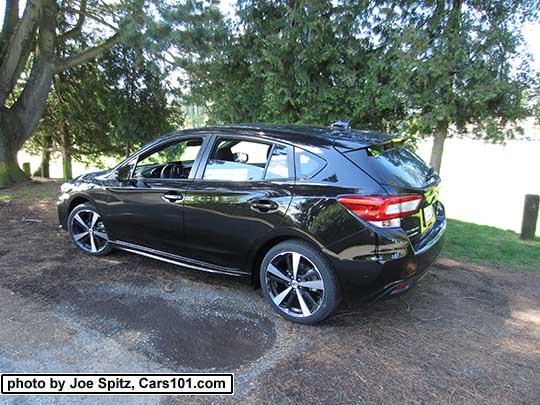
[(309, 213)]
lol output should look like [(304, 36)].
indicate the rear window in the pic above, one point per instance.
[(394, 164)]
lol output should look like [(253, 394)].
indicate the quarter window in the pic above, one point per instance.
[(307, 164)]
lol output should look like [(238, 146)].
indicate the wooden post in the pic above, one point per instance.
[(26, 169), (530, 217)]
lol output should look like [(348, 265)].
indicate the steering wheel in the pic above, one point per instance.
[(171, 171)]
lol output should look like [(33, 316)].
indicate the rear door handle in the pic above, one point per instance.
[(264, 206), (172, 198)]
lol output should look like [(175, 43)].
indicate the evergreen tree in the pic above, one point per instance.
[(109, 108), (418, 66), (459, 64)]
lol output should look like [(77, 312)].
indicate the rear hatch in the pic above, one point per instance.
[(396, 167)]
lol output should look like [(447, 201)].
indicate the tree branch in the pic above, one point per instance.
[(29, 47), (88, 54), (16, 46), (87, 14), (78, 25), (30, 105), (11, 18)]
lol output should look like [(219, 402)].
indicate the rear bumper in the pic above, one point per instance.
[(411, 270), (394, 271)]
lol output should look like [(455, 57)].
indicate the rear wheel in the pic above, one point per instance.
[(87, 230), (299, 283)]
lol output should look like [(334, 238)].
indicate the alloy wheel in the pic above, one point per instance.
[(88, 231), (295, 284)]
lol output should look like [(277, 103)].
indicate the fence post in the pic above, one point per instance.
[(26, 169), (530, 217)]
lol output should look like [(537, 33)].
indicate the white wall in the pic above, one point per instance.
[(56, 165), (486, 183)]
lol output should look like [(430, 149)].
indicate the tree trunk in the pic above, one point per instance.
[(44, 168), (45, 164), (439, 136), (66, 151), (10, 172), (19, 120)]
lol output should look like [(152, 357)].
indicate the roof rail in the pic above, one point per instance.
[(340, 124)]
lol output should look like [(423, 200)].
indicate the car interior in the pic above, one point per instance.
[(174, 161), (232, 159), (237, 160)]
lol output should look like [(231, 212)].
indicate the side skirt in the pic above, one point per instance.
[(178, 260)]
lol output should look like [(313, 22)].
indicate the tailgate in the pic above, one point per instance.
[(396, 167)]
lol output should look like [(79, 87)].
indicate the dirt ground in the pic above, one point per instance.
[(466, 334)]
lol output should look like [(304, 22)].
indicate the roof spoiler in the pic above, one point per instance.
[(364, 140)]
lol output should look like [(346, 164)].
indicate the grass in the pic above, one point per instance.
[(31, 191), (487, 245), (28, 196)]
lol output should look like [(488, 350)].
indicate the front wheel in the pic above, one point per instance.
[(299, 283), (87, 230)]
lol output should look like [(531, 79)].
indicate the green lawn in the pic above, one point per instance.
[(27, 196), (487, 245), (32, 190)]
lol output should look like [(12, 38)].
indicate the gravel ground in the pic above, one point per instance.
[(466, 334)]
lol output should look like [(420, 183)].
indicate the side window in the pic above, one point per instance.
[(237, 160), (307, 164), (173, 161), (278, 167), (241, 160)]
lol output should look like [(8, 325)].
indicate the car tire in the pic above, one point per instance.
[(306, 295), (87, 230)]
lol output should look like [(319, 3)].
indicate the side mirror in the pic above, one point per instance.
[(122, 174)]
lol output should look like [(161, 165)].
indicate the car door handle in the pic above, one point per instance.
[(264, 206), (172, 198)]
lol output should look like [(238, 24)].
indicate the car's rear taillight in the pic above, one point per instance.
[(382, 210)]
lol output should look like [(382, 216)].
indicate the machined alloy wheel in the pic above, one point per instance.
[(294, 283), (88, 231), (299, 282)]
